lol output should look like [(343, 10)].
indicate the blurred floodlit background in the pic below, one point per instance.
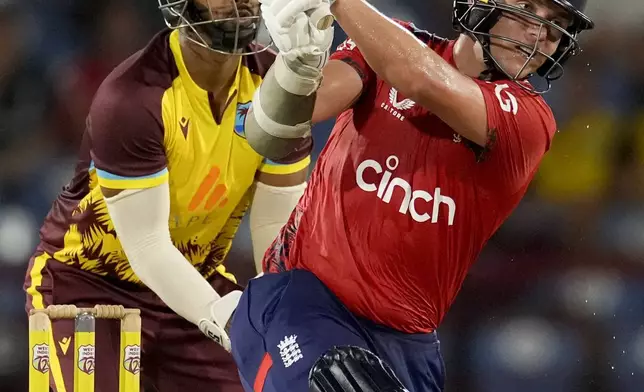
[(556, 303)]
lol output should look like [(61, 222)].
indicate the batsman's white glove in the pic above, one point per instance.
[(301, 31), (220, 313)]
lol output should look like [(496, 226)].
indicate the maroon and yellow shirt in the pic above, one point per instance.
[(150, 123)]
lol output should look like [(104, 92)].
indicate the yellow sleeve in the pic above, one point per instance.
[(113, 181), (270, 167)]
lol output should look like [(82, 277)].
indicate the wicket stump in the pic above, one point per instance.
[(84, 345)]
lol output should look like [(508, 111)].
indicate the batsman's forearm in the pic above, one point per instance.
[(278, 120), (390, 50)]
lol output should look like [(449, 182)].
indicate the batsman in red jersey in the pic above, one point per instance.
[(436, 144)]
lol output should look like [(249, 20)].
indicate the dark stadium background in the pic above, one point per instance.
[(556, 302)]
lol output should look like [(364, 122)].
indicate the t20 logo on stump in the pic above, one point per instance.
[(86, 359), (132, 359), (41, 358)]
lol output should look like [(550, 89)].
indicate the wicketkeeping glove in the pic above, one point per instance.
[(220, 313)]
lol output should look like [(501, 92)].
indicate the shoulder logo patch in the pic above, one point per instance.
[(507, 100), (240, 118)]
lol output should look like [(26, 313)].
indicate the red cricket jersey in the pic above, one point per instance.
[(399, 206)]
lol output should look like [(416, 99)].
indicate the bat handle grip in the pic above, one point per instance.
[(321, 17)]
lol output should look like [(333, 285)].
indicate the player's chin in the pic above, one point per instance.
[(521, 67)]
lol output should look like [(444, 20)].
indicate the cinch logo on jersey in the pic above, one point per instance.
[(396, 107), (413, 200)]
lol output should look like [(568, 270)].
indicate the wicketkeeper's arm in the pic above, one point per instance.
[(140, 218)]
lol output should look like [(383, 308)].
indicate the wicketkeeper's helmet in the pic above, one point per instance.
[(233, 32)]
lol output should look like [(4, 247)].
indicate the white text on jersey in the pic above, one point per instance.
[(412, 197), (396, 107)]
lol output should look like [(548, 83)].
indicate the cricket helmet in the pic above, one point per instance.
[(477, 17), (235, 31)]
